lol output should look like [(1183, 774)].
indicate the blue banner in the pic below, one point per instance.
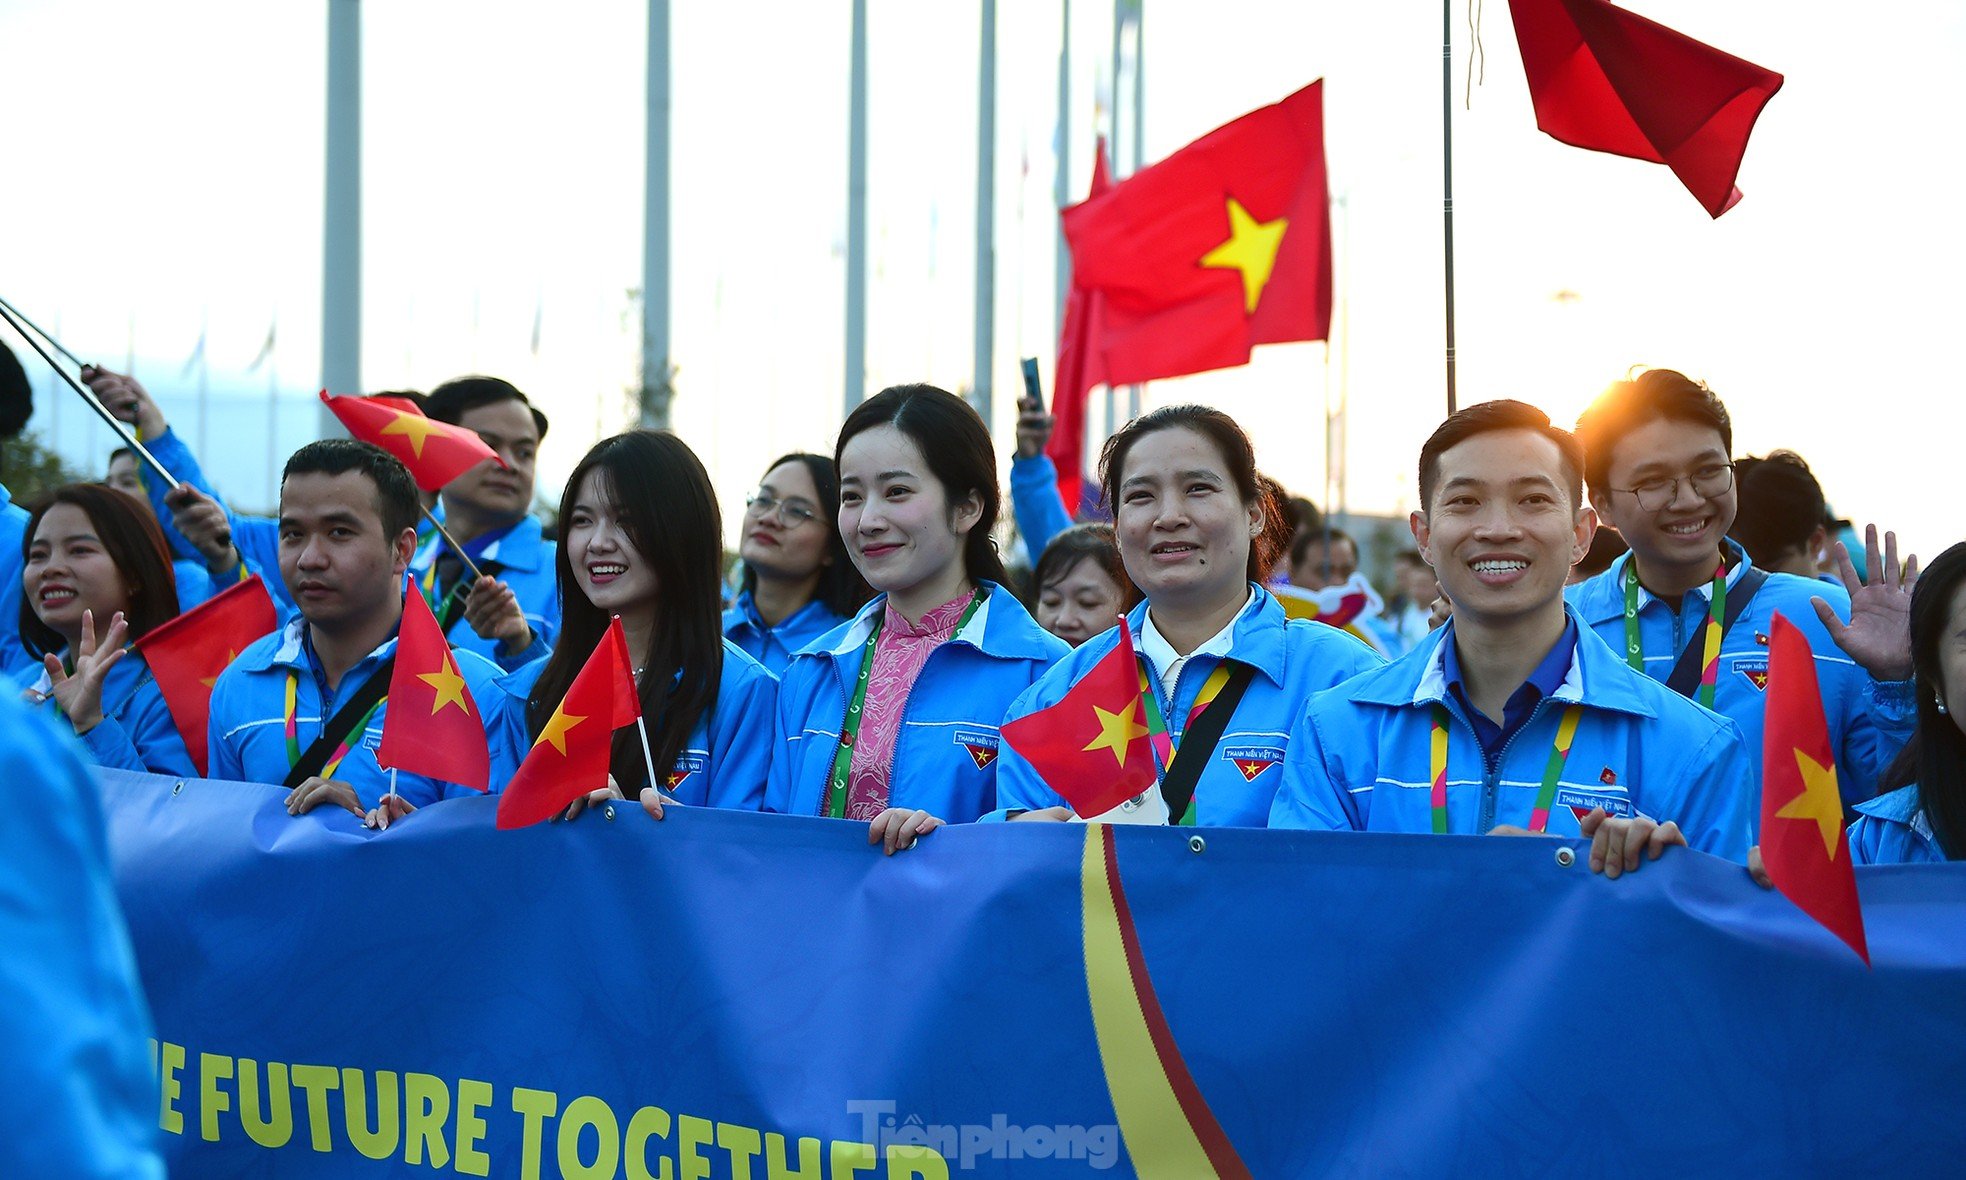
[(725, 994)]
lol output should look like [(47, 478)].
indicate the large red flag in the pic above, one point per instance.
[(432, 726), (570, 756), (1611, 81), (1803, 843), (435, 452), (1224, 245), (1092, 746), (1078, 371), (186, 655)]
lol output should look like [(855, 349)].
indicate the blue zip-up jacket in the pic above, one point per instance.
[(255, 537), (773, 646), (1893, 830), (1293, 659), (79, 1102), (14, 660), (521, 558), (1869, 722), (946, 755), (247, 731), (1040, 512), (722, 765), (136, 731), (1360, 756)]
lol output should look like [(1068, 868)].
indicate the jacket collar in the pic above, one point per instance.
[(1000, 627), (1257, 633), (519, 547), (1901, 806), (1596, 678), (291, 650), (1602, 598)]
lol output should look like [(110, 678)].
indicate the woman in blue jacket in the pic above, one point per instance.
[(1193, 518), (1924, 819), (97, 572), (799, 582), (640, 537), (892, 718)]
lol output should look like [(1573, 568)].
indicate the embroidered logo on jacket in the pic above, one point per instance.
[(1252, 761), (1582, 802), (687, 764), (1755, 672), (982, 746)]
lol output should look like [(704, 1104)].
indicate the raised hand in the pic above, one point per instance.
[(1878, 635), (1033, 428), (126, 398), (79, 693), (203, 522), (493, 612)]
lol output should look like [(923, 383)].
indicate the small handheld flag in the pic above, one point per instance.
[(435, 452), (570, 756), (1803, 843), (432, 726), (1092, 746), (186, 655)]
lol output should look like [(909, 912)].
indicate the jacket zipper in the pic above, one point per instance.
[(1492, 768)]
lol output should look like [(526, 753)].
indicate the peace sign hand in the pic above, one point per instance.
[(1878, 635), (79, 693)]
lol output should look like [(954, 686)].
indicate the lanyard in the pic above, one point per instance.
[(443, 609), (1539, 817), (850, 725), (1157, 732), (1716, 624), (293, 729)]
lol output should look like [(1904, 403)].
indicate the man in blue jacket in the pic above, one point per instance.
[(1515, 718), (305, 706), (14, 659), (1657, 458)]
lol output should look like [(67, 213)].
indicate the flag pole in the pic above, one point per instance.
[(856, 213), (122, 432), (450, 540), (56, 344), (1447, 177)]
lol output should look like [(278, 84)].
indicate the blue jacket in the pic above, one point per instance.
[(136, 731), (521, 558), (722, 765), (1360, 756), (255, 537), (1041, 513), (773, 646), (1868, 721), (247, 731), (79, 1100), (945, 758), (1293, 658), (14, 660), (1892, 829)]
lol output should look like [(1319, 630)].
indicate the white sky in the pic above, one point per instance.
[(164, 169)]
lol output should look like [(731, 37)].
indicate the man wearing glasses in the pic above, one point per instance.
[(1686, 606)]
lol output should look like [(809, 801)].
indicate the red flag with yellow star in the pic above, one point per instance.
[(432, 726), (1092, 746), (186, 655), (435, 452), (1803, 843), (1224, 245), (570, 756)]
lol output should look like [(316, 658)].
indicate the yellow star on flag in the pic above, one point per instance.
[(1251, 249), (1819, 800), (450, 688), (418, 428), (208, 681), (557, 727), (1116, 732)]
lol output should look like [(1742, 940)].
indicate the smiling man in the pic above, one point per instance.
[(305, 705), (1514, 718), (1657, 455)]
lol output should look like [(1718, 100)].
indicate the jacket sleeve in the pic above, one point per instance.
[(1718, 796), (1034, 500), (176, 458), (740, 742), (1309, 797), (1019, 786), (788, 736), (1880, 723), (143, 738)]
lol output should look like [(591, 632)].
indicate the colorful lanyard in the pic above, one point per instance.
[(1539, 816), (442, 609), (293, 729), (836, 789), (1716, 624)]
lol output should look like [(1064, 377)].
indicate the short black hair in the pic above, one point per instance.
[(1648, 397), (1781, 506), (395, 492), (1301, 545), (449, 401), (1501, 414)]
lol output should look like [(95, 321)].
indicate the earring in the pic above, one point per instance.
[(1941, 703)]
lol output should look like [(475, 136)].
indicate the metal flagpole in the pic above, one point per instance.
[(341, 220), (1447, 176), (1139, 8), (986, 212), (1062, 185), (856, 215), (657, 387)]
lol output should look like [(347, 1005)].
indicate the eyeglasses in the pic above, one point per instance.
[(791, 513), (1708, 483)]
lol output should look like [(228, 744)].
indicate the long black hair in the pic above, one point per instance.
[(1935, 758), (840, 586), (664, 501), (956, 446)]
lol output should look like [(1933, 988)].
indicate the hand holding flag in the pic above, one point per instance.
[(570, 756), (1092, 746)]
